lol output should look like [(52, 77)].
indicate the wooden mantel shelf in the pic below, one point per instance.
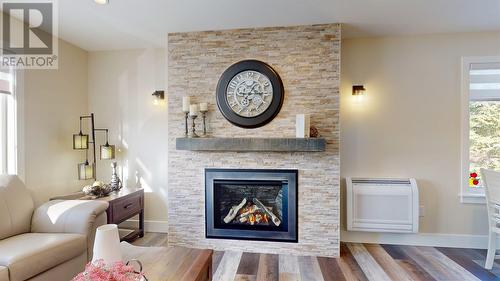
[(252, 144)]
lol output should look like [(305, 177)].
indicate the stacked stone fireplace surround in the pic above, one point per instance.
[(308, 60)]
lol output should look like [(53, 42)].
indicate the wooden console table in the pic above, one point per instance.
[(123, 205)]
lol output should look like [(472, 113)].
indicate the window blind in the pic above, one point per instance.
[(484, 81)]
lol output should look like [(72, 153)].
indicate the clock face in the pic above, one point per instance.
[(249, 93)]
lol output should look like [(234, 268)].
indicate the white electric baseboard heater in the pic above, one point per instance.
[(382, 205)]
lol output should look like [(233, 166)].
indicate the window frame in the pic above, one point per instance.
[(467, 195), (9, 128)]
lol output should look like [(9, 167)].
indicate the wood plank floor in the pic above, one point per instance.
[(356, 262)]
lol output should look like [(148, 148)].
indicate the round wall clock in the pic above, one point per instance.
[(250, 94)]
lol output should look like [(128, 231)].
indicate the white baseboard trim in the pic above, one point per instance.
[(418, 239), (414, 239), (149, 225)]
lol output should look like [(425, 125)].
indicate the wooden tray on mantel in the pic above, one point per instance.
[(252, 144)]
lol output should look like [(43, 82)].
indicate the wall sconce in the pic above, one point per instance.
[(158, 97), (358, 92)]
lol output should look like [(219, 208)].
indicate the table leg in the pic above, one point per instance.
[(141, 223)]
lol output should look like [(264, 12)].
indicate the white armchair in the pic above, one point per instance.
[(51, 242)]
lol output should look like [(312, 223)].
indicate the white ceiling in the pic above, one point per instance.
[(126, 24)]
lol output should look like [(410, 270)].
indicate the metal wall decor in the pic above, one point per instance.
[(250, 94)]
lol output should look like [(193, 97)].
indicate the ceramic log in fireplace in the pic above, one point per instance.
[(251, 204)]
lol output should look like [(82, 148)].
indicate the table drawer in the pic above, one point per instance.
[(126, 208)]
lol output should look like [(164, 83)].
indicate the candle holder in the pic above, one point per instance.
[(186, 133), (193, 134), (203, 116)]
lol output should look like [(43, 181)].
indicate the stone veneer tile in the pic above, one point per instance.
[(308, 60)]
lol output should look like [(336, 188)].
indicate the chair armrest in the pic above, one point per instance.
[(70, 216), (67, 216)]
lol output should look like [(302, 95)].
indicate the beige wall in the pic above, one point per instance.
[(53, 100), (409, 125), (120, 86)]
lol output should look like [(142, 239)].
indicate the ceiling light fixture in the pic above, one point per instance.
[(101, 2)]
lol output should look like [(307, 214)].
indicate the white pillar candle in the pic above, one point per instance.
[(193, 109), (186, 101), (302, 125), (203, 106)]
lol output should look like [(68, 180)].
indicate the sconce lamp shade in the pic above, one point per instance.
[(358, 90), (80, 141), (107, 151), (86, 171), (107, 244)]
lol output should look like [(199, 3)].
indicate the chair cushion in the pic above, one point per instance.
[(29, 254), (16, 207), (4, 273)]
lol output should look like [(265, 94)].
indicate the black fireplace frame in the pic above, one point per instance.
[(291, 176)]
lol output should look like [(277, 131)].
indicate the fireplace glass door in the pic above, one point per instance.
[(251, 204)]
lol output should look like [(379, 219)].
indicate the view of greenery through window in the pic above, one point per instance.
[(484, 138)]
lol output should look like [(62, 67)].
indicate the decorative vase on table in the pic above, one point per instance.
[(116, 183)]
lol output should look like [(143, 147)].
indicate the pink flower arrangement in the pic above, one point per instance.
[(98, 271)]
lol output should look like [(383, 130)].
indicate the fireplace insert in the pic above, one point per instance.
[(251, 204)]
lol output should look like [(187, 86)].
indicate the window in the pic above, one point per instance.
[(8, 130), (480, 123)]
